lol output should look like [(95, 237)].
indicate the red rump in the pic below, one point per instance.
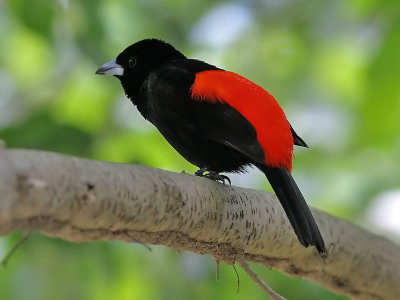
[(256, 105)]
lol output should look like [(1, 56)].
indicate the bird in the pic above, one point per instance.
[(217, 120)]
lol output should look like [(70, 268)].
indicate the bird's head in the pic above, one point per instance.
[(133, 65)]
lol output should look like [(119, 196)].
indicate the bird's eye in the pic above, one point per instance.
[(131, 62)]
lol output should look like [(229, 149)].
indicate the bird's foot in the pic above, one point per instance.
[(218, 177), (213, 176)]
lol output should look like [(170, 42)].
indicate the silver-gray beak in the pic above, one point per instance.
[(111, 68)]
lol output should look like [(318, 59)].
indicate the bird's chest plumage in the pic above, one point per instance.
[(174, 118)]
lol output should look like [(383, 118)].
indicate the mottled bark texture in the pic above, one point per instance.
[(82, 200)]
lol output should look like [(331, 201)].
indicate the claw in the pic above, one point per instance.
[(213, 176), (218, 177)]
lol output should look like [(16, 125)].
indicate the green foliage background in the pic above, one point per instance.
[(333, 65)]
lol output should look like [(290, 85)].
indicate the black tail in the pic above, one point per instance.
[(295, 207)]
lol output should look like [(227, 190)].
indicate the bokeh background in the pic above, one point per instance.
[(333, 65)]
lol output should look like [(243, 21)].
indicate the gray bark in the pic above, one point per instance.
[(82, 200)]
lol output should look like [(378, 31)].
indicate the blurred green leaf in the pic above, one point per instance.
[(43, 132)]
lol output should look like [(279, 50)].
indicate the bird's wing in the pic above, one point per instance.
[(229, 109), (256, 105)]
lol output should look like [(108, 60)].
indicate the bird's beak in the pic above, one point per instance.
[(111, 68)]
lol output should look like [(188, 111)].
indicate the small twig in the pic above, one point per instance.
[(238, 279), (135, 240), (253, 275), (144, 245), (217, 262), (6, 258)]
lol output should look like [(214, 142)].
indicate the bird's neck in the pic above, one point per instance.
[(138, 98)]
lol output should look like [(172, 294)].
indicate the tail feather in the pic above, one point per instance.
[(295, 206)]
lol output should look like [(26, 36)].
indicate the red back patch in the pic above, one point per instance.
[(256, 105)]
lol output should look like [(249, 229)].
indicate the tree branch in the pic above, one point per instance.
[(82, 200)]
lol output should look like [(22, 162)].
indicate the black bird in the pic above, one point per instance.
[(217, 120)]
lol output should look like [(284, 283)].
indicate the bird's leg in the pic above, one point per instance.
[(212, 175)]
